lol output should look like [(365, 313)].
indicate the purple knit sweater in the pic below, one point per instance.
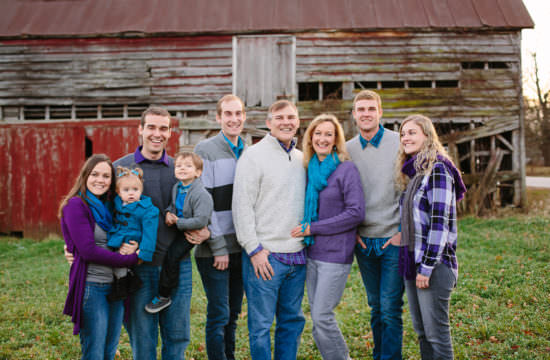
[(341, 209), (77, 225)]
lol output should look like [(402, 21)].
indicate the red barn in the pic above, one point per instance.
[(76, 74)]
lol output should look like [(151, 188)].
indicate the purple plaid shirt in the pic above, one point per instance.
[(435, 221), (297, 258)]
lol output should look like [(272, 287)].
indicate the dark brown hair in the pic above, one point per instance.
[(79, 187), (154, 110)]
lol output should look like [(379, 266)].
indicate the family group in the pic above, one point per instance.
[(265, 221)]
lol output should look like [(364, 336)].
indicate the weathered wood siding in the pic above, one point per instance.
[(481, 95), (264, 69), (39, 163), (182, 73), (188, 74)]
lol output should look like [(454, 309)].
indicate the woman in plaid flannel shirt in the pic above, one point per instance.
[(431, 186)]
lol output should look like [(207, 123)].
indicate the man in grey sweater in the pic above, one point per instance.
[(268, 202), (219, 258), (374, 152)]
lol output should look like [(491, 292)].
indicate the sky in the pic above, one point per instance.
[(536, 40)]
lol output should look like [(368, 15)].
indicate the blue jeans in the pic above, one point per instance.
[(282, 297), (224, 292), (385, 289), (174, 321), (101, 322)]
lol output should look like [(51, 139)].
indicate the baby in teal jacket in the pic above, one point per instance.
[(135, 218)]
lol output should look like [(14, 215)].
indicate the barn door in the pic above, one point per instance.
[(264, 68)]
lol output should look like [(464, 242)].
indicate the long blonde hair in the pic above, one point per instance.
[(339, 138), (426, 157)]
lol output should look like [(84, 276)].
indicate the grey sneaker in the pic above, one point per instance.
[(157, 304)]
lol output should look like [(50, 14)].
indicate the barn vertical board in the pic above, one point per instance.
[(40, 163), (264, 68), (6, 139)]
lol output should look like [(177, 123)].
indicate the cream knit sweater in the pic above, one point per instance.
[(268, 197)]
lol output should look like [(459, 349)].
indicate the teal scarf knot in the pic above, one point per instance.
[(100, 211), (317, 175)]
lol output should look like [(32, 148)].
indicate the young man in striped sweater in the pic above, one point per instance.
[(219, 258)]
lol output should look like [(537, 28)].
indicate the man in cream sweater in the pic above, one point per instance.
[(268, 201)]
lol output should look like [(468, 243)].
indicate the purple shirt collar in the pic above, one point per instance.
[(289, 149), (138, 157)]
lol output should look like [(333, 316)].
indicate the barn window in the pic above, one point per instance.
[(498, 65), (393, 84), (316, 91), (446, 83), (332, 90), (420, 84), (308, 91), (466, 65), (58, 112), (484, 65), (86, 112), (135, 110), (370, 85), (34, 112), (112, 111)]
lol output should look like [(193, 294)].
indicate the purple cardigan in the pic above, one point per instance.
[(341, 209), (77, 225)]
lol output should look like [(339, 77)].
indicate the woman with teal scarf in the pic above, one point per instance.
[(334, 206), (86, 218)]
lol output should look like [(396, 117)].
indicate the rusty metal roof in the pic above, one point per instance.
[(52, 18)]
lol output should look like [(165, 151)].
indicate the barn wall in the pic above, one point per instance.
[(481, 94), (192, 73), (183, 73), (39, 163), (189, 74)]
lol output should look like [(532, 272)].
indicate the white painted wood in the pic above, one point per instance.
[(264, 68)]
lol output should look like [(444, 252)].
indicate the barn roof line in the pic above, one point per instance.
[(92, 18)]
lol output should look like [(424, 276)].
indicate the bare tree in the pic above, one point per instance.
[(538, 115)]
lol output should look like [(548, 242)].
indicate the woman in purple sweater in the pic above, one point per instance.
[(85, 221), (334, 206)]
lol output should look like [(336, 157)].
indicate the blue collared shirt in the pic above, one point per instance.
[(180, 198), (138, 157), (373, 245), (237, 150), (375, 141)]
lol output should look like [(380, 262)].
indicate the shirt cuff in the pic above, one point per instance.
[(255, 251), (425, 270)]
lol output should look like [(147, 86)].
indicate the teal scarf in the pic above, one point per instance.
[(317, 176), (100, 211)]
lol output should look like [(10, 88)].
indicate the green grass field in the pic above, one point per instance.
[(500, 309)]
